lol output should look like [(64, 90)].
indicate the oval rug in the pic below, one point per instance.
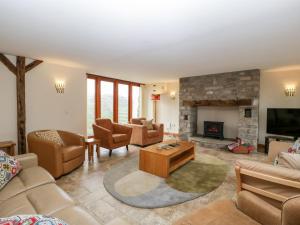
[(136, 188)]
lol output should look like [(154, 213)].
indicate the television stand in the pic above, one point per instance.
[(268, 139)]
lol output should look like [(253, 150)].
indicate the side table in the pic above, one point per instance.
[(89, 144), (8, 147)]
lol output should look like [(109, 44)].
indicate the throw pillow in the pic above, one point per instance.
[(50, 135), (295, 148), (148, 124), (31, 220), (9, 167), (289, 160)]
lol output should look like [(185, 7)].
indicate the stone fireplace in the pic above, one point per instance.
[(231, 98)]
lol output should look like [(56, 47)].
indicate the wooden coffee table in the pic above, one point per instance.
[(161, 162)]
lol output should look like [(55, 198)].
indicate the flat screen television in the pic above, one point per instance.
[(283, 121)]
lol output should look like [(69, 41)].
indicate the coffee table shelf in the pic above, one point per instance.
[(162, 162)]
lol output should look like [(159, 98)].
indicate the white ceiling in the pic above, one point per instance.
[(154, 40)]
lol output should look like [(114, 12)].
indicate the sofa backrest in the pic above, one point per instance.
[(106, 123), (137, 120)]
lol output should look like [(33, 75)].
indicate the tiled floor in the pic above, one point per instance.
[(86, 187)]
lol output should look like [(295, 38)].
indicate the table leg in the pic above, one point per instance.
[(90, 152), (98, 151)]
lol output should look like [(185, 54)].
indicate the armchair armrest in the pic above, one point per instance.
[(103, 134), (258, 209), (122, 129), (159, 127), (70, 138), (27, 160), (290, 211)]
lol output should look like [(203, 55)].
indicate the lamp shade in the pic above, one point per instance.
[(155, 97)]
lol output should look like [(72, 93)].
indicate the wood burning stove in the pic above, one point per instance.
[(213, 129)]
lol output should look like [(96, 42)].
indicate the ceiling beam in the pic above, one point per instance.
[(32, 65), (10, 66)]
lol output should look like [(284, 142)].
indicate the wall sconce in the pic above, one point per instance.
[(173, 95), (60, 86), (290, 91)]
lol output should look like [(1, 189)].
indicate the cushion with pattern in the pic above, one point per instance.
[(50, 135), (9, 167), (31, 220)]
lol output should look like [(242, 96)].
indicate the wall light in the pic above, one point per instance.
[(290, 91), (173, 94), (60, 86)]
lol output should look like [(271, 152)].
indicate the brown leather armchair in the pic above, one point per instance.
[(142, 136), (112, 135), (58, 159)]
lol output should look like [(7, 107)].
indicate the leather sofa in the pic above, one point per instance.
[(33, 191), (58, 160), (112, 135), (142, 136), (267, 195)]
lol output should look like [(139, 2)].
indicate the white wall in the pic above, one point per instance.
[(167, 108), (272, 85), (45, 109)]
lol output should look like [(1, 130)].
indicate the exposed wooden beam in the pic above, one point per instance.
[(33, 64), (8, 64), (221, 103), (21, 107)]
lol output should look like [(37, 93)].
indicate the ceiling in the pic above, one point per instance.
[(154, 40)]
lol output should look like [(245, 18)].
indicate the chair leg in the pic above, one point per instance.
[(127, 147), (110, 151)]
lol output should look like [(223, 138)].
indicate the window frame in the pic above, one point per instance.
[(98, 80)]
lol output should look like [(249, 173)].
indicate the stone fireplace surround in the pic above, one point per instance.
[(225, 87)]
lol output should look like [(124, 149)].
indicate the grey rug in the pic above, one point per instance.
[(143, 190)]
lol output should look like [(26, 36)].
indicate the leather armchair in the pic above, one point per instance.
[(142, 136), (112, 135), (56, 159)]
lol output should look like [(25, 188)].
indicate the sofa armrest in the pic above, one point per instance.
[(258, 209), (290, 211), (275, 147), (70, 138), (27, 160)]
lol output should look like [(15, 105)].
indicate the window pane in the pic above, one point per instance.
[(123, 103), (107, 100), (90, 105), (136, 102)]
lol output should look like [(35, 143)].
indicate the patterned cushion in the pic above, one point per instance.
[(147, 123), (9, 167), (31, 220), (50, 135)]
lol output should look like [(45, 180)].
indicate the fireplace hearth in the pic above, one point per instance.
[(213, 129)]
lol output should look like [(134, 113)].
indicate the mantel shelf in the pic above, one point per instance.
[(219, 103)]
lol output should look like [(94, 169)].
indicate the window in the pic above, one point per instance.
[(110, 98), (91, 103), (107, 99), (136, 101), (123, 103)]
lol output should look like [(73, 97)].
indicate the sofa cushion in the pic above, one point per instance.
[(75, 216), (48, 199), (16, 205), (31, 220), (72, 152), (50, 135), (153, 133), (119, 138), (148, 124), (25, 180), (289, 160), (9, 167)]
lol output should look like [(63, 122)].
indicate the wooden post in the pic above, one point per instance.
[(20, 70), (21, 107)]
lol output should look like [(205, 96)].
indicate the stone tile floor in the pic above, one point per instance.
[(85, 185)]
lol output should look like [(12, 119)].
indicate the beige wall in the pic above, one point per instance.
[(45, 109), (272, 84), (167, 108)]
